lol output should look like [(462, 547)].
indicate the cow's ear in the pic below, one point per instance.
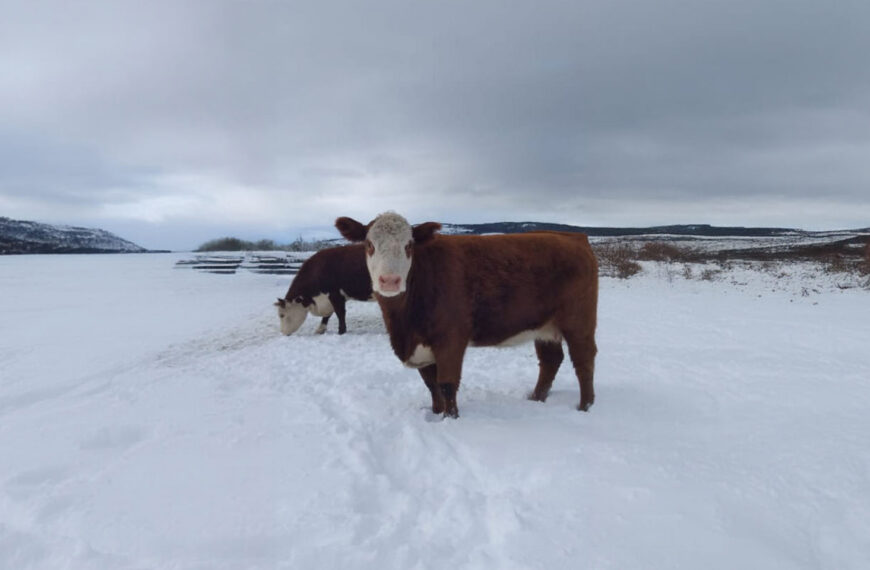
[(281, 303), (351, 229), (424, 232)]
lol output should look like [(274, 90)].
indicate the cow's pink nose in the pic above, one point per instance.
[(389, 282)]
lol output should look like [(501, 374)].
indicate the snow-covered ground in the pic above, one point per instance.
[(155, 418)]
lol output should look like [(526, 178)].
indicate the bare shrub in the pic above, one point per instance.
[(627, 268), (836, 263), (687, 272), (844, 263), (659, 251), (617, 260), (709, 274)]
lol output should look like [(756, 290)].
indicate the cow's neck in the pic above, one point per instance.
[(397, 318)]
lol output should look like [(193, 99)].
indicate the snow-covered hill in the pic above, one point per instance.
[(19, 236), (152, 418)]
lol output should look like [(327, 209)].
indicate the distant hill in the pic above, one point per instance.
[(681, 231), (19, 236), (703, 230)]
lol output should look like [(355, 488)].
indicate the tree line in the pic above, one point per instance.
[(236, 244)]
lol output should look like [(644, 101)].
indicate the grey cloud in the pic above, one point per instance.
[(495, 106), (58, 171)]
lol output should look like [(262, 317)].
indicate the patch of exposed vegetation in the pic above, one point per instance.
[(849, 265), (849, 258), (660, 251), (617, 259)]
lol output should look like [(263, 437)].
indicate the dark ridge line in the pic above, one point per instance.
[(705, 230)]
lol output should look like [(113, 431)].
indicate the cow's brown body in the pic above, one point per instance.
[(339, 273), (465, 291)]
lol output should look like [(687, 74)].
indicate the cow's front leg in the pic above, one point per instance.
[(338, 305), (448, 392), (321, 328), (430, 377), (449, 371)]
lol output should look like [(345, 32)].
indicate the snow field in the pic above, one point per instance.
[(155, 418)]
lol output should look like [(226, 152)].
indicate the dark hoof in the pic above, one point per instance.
[(584, 406), (532, 396)]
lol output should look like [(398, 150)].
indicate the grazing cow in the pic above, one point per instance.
[(324, 282), (440, 294)]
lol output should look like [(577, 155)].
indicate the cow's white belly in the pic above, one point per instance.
[(548, 333), (423, 355), (321, 306)]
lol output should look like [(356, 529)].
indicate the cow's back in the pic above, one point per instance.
[(351, 274), (332, 270)]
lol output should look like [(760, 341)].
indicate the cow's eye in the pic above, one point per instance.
[(409, 248), (370, 248)]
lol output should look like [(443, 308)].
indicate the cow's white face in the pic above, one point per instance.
[(292, 315), (389, 248), (390, 242)]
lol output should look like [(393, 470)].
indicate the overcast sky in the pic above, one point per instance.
[(171, 123)]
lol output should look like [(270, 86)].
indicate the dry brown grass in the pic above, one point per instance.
[(849, 257), (836, 263), (659, 251), (709, 274), (617, 260), (848, 263)]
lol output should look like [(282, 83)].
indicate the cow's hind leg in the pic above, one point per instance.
[(582, 349), (430, 377), (550, 356)]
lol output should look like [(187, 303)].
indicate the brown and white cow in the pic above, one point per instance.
[(440, 294), (324, 282)]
